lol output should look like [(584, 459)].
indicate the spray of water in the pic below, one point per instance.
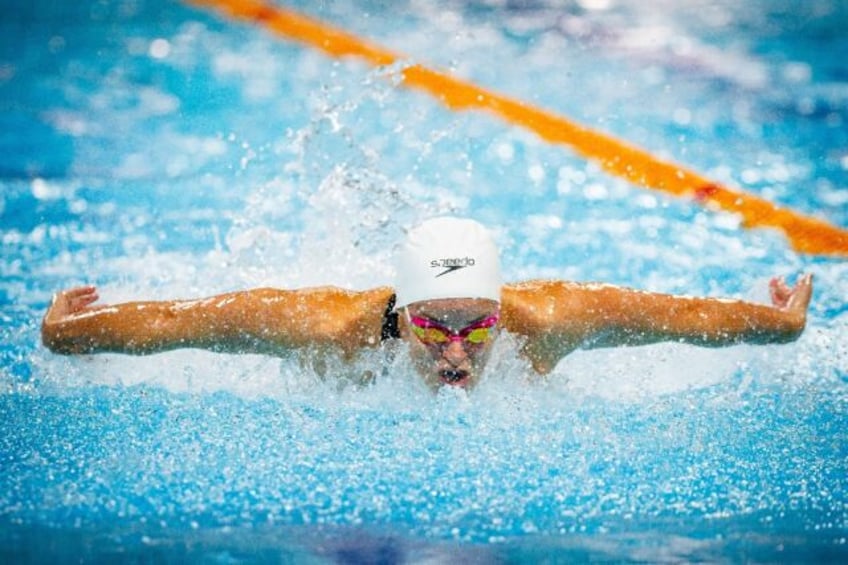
[(189, 444)]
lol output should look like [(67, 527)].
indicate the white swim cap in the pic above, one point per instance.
[(447, 258)]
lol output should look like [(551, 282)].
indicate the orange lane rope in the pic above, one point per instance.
[(806, 234)]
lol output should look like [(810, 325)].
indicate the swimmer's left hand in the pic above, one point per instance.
[(792, 299)]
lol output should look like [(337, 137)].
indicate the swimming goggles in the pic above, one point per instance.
[(433, 333)]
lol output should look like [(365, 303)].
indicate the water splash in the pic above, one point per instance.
[(663, 452)]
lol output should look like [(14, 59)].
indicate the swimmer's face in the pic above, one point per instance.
[(450, 339)]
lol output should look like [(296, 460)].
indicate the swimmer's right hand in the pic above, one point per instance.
[(69, 302)]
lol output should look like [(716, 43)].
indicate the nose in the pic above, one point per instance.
[(455, 353)]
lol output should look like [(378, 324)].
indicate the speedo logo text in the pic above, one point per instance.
[(451, 264)]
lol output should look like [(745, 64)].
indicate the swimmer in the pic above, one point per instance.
[(448, 304)]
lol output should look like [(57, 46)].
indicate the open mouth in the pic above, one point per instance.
[(454, 377)]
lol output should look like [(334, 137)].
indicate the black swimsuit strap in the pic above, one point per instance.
[(390, 322)]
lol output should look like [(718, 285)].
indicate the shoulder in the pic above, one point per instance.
[(555, 316), (537, 288), (358, 312), (328, 315), (542, 306), (555, 293), (323, 295), (327, 308), (534, 294)]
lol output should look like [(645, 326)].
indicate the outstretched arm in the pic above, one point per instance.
[(637, 318), (559, 317), (264, 320)]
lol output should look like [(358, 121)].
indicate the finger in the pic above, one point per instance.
[(780, 293), (774, 287), (73, 300), (802, 293), (84, 300), (69, 296), (79, 291)]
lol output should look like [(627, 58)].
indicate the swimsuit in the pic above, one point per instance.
[(390, 322)]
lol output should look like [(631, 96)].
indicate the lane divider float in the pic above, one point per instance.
[(806, 234)]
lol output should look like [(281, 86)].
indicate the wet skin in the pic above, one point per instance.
[(455, 363)]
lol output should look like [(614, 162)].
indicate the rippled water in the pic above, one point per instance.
[(161, 151)]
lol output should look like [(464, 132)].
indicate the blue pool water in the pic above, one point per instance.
[(160, 151)]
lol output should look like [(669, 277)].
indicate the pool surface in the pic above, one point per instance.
[(161, 150)]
